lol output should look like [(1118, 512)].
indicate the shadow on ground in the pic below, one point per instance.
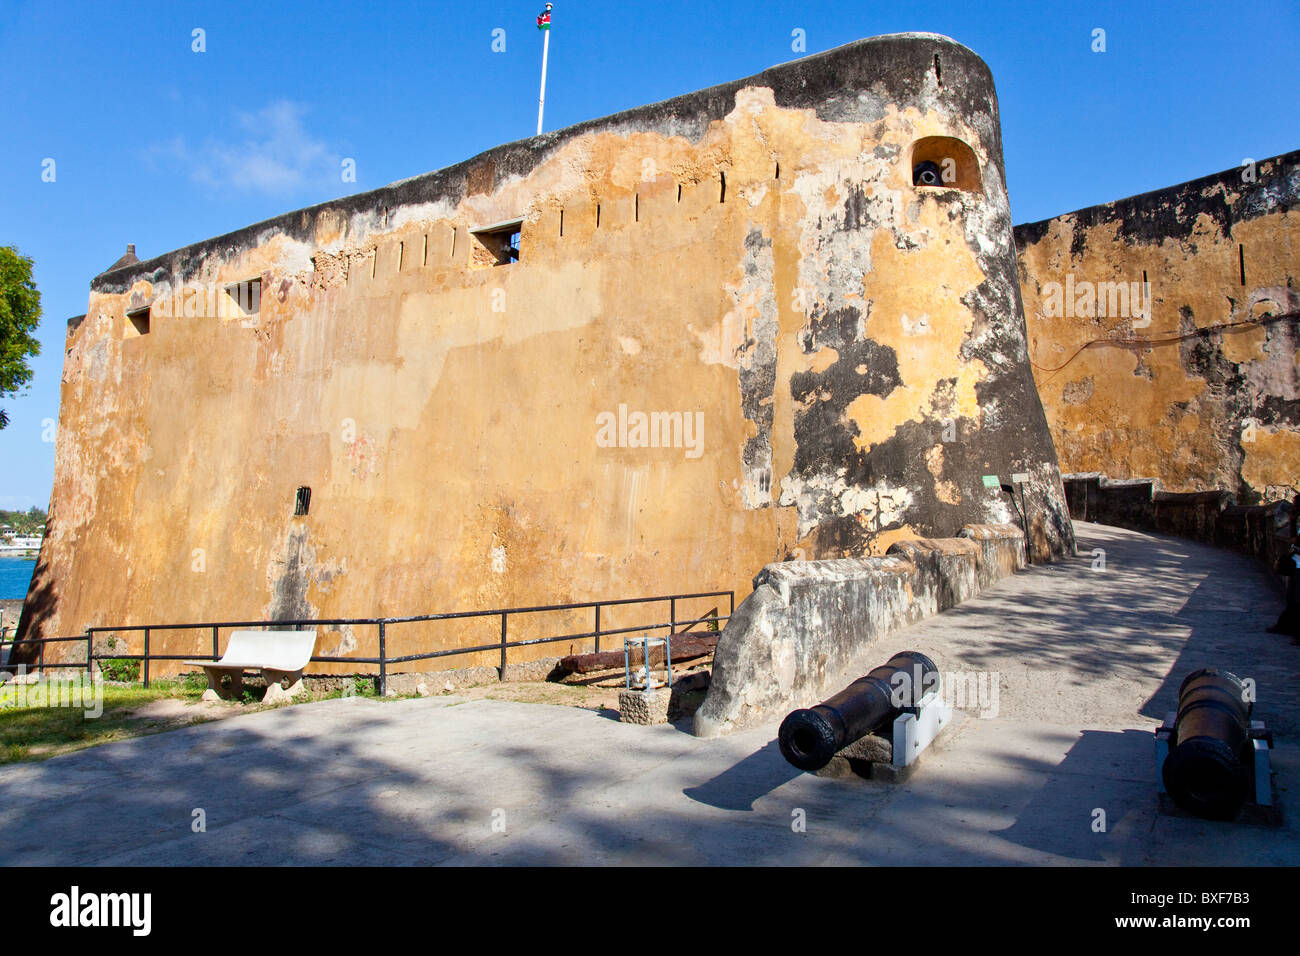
[(1088, 660)]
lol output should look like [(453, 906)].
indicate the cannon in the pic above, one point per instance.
[(810, 737), (1209, 770)]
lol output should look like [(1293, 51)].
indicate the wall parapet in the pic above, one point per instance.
[(806, 621), (1211, 517), (834, 84)]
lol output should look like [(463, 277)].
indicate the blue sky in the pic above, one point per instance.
[(159, 145)]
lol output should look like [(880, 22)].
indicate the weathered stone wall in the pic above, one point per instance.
[(844, 353), (1201, 391), (805, 621)]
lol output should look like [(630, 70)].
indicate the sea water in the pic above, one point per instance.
[(15, 575)]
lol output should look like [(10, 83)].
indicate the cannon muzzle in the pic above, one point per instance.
[(810, 738), (1208, 770)]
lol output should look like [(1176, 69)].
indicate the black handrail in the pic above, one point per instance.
[(383, 660)]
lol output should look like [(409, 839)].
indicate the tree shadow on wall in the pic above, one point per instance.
[(38, 609)]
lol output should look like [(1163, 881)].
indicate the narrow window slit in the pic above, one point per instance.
[(679, 192), (722, 190), (597, 215), (636, 208), (938, 72), (426, 249), (1241, 261), (561, 223)]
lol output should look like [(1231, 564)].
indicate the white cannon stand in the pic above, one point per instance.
[(912, 734), (1258, 808)]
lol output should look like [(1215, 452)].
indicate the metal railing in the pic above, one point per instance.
[(383, 660)]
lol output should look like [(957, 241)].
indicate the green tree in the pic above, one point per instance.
[(23, 522), (20, 311)]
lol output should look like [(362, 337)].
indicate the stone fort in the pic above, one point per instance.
[(785, 319)]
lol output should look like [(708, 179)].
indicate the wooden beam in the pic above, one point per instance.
[(684, 649)]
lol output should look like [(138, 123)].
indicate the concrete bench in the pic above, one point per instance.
[(281, 656)]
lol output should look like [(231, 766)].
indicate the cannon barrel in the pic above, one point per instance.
[(809, 738), (1208, 770)]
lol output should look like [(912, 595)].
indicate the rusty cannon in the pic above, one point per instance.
[(1210, 767), (810, 737)]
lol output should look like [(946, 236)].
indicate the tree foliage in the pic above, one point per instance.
[(20, 311), (23, 522)]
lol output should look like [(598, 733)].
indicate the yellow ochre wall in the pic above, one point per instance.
[(1204, 392), (852, 345)]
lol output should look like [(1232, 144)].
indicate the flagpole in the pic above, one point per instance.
[(541, 99)]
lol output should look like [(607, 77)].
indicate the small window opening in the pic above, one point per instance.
[(453, 242), (401, 255), (722, 191), (938, 73), (943, 162), (1241, 261), (561, 223), (245, 298), (302, 501), (679, 192), (426, 249), (778, 171), (597, 215), (139, 319), (498, 245), (636, 208)]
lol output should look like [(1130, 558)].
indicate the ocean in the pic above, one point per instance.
[(15, 575)]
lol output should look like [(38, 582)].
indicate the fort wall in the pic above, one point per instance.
[(1197, 388), (732, 330)]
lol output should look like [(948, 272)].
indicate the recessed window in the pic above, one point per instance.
[(139, 319), (302, 501), (942, 162), (244, 298), (498, 245)]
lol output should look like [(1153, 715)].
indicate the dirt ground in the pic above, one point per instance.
[(597, 691)]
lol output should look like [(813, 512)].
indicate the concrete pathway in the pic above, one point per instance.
[(1086, 661)]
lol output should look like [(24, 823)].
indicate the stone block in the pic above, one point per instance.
[(643, 707)]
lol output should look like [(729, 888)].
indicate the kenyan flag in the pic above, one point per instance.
[(544, 21)]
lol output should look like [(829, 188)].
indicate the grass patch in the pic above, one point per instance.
[(34, 733), (355, 686), (117, 668)]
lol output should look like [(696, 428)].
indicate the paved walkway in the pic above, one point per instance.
[(1087, 661)]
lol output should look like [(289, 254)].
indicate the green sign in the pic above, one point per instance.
[(991, 481)]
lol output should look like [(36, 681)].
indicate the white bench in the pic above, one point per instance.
[(281, 656)]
